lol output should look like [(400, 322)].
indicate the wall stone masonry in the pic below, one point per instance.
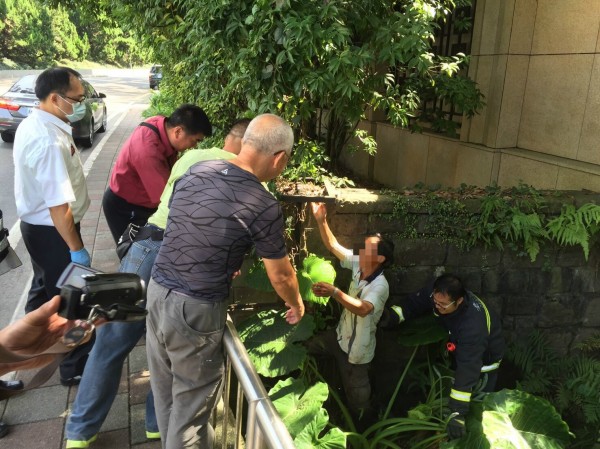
[(558, 295)]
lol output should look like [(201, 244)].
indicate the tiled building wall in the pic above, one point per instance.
[(538, 64)]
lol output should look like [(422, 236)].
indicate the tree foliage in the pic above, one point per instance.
[(319, 63), (37, 34)]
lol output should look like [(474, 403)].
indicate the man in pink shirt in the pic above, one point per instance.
[(144, 164)]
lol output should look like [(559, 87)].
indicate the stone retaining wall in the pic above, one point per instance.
[(559, 293)]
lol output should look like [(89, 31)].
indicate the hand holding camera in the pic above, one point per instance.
[(87, 294)]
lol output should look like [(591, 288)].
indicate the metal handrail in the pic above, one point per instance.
[(263, 425)]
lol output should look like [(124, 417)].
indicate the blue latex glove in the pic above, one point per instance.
[(82, 257)]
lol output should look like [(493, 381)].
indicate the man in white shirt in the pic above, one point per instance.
[(51, 193), (352, 344)]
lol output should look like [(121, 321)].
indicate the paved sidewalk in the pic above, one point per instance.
[(37, 418)]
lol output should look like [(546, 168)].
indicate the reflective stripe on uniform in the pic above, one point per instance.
[(460, 395), (398, 311), (492, 367), (488, 320)]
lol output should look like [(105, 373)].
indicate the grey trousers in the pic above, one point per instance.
[(185, 356)]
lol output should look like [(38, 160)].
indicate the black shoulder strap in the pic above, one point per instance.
[(151, 126)]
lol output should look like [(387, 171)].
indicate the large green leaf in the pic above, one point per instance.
[(513, 419), (309, 438), (533, 417), (422, 331), (270, 340), (315, 269), (296, 404)]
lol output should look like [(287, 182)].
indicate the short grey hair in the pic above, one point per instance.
[(269, 133)]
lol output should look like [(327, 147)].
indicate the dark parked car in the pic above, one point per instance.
[(16, 104), (155, 76)]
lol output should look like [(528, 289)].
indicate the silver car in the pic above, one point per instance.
[(17, 103)]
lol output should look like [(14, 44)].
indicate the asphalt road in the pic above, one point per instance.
[(122, 88)]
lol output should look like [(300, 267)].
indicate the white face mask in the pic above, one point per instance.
[(78, 111)]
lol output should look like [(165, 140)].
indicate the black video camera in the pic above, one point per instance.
[(113, 296)]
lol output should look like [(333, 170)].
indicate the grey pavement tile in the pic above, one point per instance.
[(37, 405), (107, 157), (105, 235), (88, 230), (103, 227), (105, 267), (97, 175), (106, 257), (72, 395), (139, 385), (118, 416), (94, 210), (117, 439), (137, 359), (107, 243), (40, 435), (124, 382), (96, 184), (26, 377), (96, 191), (138, 423), (104, 243)]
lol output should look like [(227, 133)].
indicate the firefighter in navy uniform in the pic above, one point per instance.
[(476, 345)]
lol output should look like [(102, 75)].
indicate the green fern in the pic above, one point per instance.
[(512, 218), (584, 381), (575, 226), (571, 383), (532, 354), (536, 385), (591, 345), (528, 229), (500, 221)]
